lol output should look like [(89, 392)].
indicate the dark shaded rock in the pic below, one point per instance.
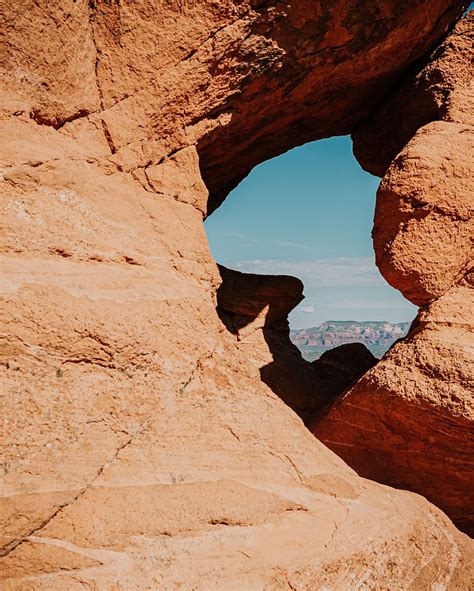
[(255, 308), (251, 295), (351, 360)]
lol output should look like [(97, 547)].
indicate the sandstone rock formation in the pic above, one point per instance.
[(377, 336), (248, 301), (255, 309), (409, 421), (438, 88), (142, 449), (424, 221)]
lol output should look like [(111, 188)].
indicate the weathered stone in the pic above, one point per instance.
[(255, 309), (408, 421), (142, 448), (424, 218), (439, 89), (249, 296)]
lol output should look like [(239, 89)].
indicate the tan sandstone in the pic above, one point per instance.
[(142, 449)]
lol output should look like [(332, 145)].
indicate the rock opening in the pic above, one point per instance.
[(254, 307), (142, 448)]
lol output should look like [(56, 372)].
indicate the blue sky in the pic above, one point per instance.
[(309, 213)]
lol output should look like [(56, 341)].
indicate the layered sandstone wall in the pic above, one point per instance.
[(142, 449)]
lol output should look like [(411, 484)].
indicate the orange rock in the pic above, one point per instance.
[(409, 421), (424, 218), (142, 449), (439, 89)]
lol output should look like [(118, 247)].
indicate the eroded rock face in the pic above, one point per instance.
[(439, 90), (255, 309), (409, 421), (142, 448), (259, 300), (424, 218), (152, 79)]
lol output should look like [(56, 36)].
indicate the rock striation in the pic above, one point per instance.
[(142, 448), (409, 421)]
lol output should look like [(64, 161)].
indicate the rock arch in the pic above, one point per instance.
[(142, 449), (411, 417)]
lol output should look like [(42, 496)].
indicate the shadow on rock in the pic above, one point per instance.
[(255, 309)]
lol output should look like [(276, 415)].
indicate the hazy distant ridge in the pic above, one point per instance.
[(376, 336)]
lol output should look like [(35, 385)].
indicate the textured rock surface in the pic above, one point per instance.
[(255, 309), (424, 218), (439, 90), (142, 448), (409, 421), (154, 78)]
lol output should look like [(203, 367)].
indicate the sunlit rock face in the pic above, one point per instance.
[(142, 449), (408, 422)]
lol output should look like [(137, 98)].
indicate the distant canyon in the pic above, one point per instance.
[(377, 336)]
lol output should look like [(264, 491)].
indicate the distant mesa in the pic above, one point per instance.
[(377, 336), (161, 430)]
